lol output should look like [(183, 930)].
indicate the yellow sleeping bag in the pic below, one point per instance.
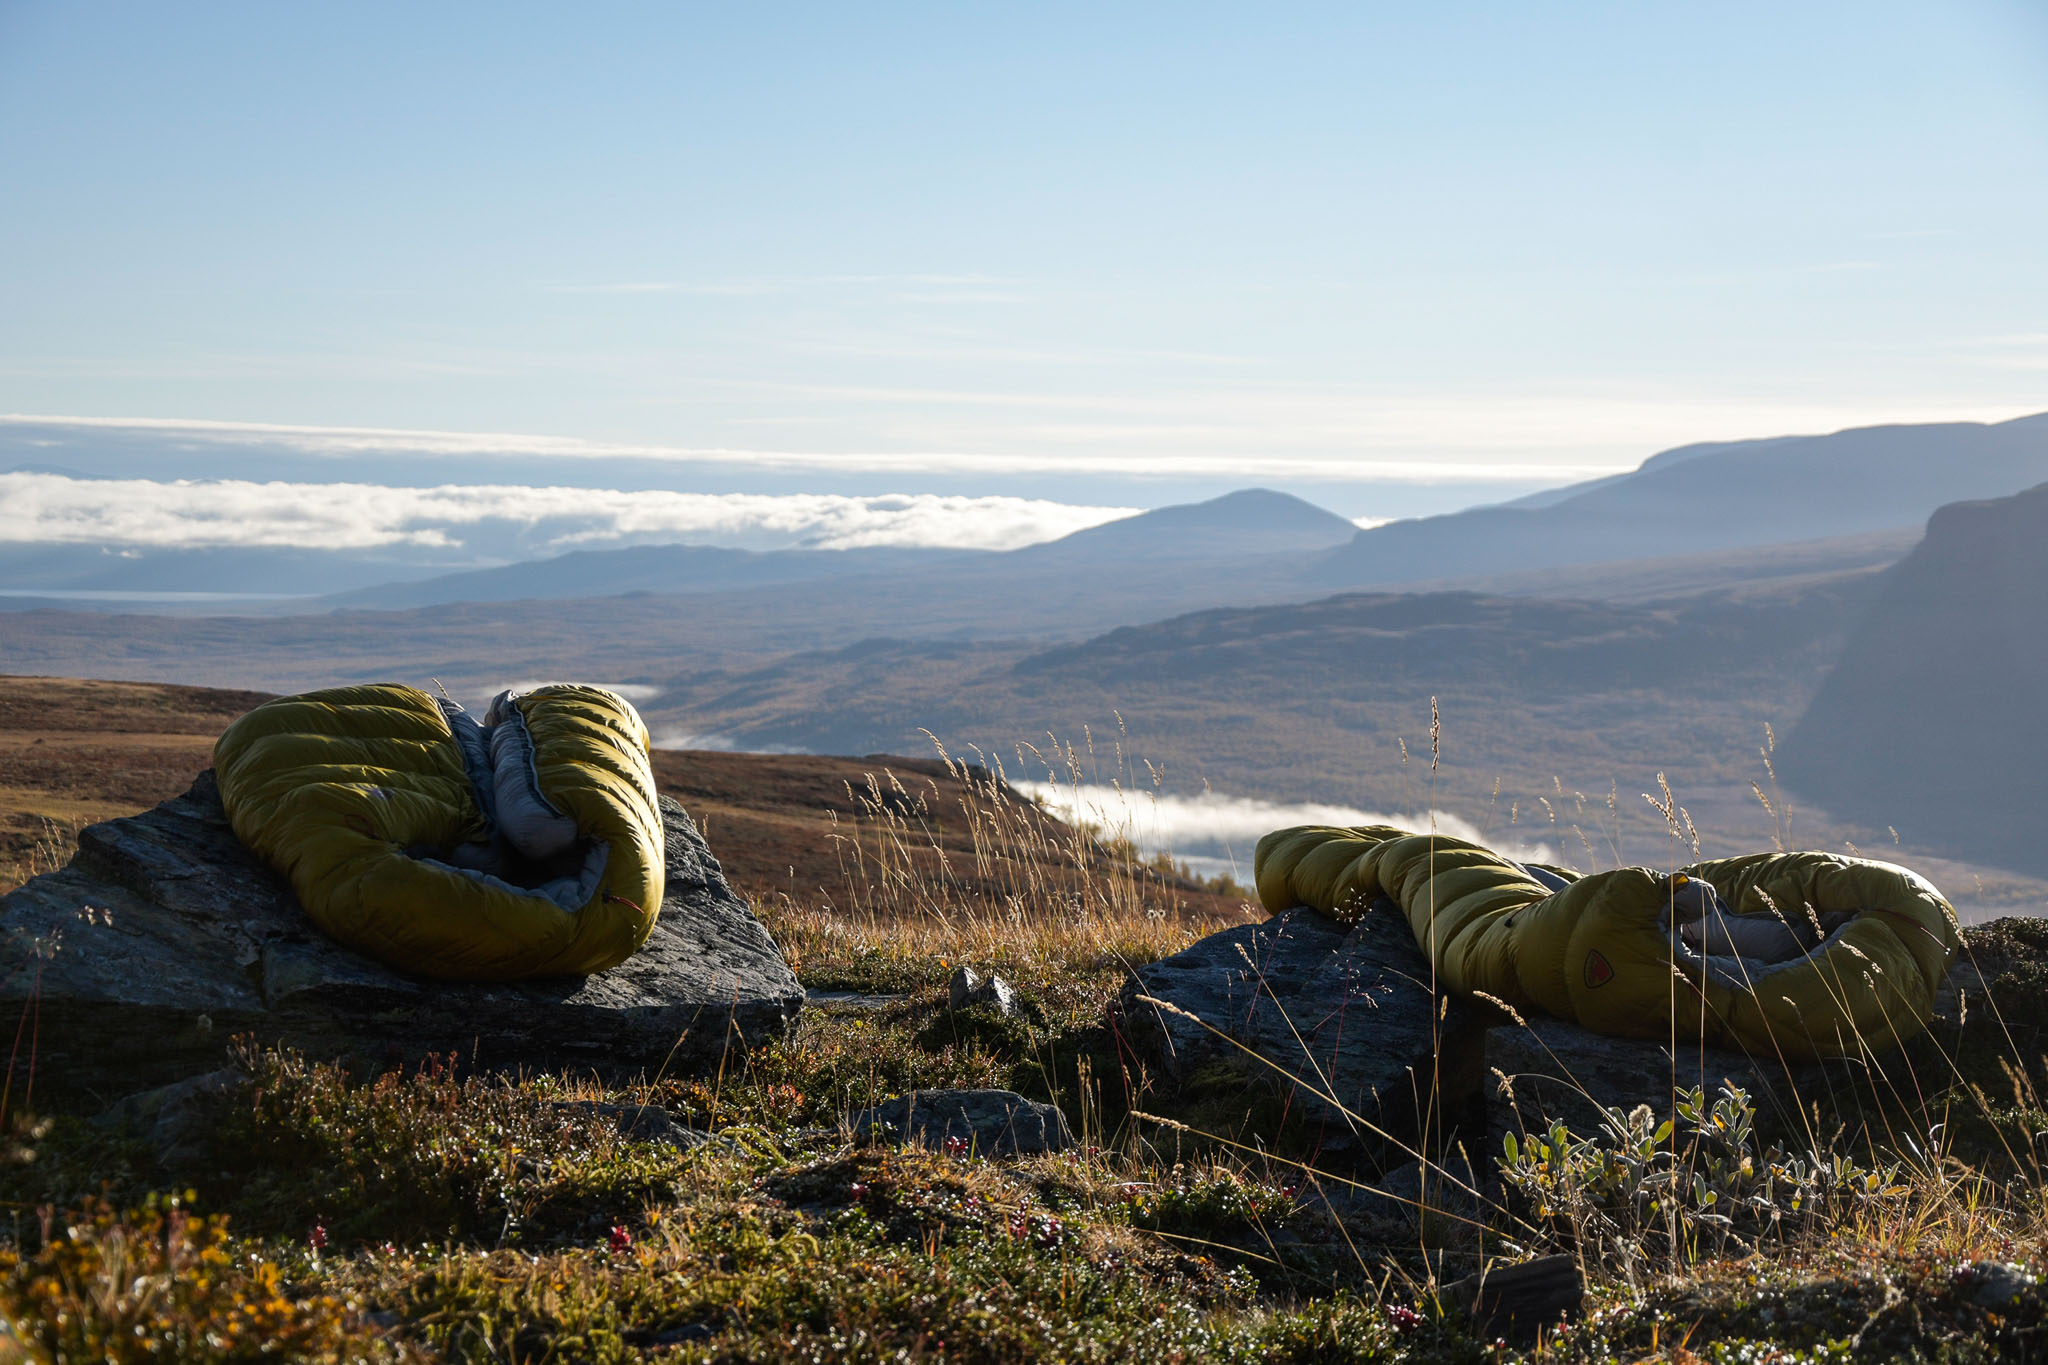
[(529, 845), (1800, 954)]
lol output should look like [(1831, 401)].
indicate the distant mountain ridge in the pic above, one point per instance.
[(1691, 502), (1251, 523), (1696, 499)]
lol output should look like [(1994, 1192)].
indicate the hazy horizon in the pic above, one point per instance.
[(1395, 262)]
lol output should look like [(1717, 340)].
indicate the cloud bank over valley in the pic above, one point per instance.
[(506, 520), (1216, 833)]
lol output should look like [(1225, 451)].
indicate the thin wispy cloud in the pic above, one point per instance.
[(953, 350), (1242, 434), (1231, 462), (938, 286), (734, 289), (2011, 351), (53, 508)]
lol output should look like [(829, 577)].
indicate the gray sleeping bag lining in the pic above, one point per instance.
[(533, 849)]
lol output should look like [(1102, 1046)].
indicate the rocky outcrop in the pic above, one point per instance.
[(1250, 1024), (1304, 1027), (164, 938)]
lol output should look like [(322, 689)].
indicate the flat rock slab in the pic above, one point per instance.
[(164, 938), (1309, 1008), (984, 1122)]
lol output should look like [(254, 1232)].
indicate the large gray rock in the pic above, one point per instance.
[(1306, 1008), (164, 938)]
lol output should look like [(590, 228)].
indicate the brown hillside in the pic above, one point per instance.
[(74, 751), (822, 831), (853, 834)]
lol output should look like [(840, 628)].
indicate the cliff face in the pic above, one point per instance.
[(1936, 719)]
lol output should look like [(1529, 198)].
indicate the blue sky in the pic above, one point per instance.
[(1395, 258)]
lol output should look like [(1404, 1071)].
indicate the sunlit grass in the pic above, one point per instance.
[(440, 1213)]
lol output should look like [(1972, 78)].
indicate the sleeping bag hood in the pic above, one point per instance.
[(1792, 954), (528, 845)]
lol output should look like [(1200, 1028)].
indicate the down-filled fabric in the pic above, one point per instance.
[(530, 846), (1847, 963)]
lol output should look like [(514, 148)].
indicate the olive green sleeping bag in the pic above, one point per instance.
[(527, 846), (1797, 954)]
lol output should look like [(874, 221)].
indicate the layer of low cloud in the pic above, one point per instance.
[(1212, 828), (184, 514)]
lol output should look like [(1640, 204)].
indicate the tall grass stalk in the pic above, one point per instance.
[(989, 876)]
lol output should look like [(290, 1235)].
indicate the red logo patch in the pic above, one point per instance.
[(1598, 972)]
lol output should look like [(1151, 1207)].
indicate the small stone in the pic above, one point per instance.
[(854, 1000), (177, 1120), (990, 1122), (1998, 1284), (1516, 1302), (970, 988), (648, 1123), (676, 1336)]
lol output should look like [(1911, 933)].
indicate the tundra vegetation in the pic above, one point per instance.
[(328, 1210)]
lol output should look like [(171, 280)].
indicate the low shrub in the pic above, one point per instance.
[(159, 1284), (428, 1155), (1685, 1189)]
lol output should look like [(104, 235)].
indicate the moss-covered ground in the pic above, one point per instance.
[(319, 1214), (433, 1214)]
